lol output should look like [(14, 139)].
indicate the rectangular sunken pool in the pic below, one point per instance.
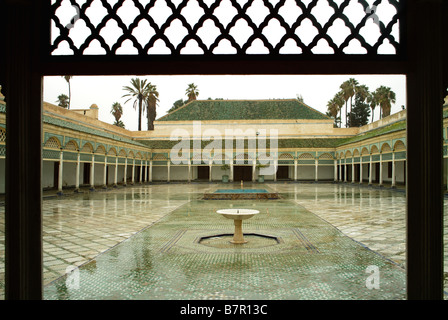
[(240, 194), (241, 191)]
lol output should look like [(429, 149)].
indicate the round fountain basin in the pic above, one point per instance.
[(238, 214)]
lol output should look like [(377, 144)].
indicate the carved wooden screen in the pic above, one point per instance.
[(209, 28)]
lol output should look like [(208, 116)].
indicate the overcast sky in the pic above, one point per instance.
[(316, 90)]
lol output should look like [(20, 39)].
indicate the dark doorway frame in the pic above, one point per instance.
[(242, 173), (203, 172)]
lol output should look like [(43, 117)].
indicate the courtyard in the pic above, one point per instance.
[(333, 241)]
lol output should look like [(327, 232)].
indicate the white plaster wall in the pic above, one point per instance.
[(47, 174), (399, 171), (325, 173), (160, 173), (305, 172), (98, 174), (111, 174), (179, 173), (68, 174), (217, 173)]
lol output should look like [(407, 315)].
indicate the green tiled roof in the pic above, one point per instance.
[(396, 126), (282, 143), (244, 110)]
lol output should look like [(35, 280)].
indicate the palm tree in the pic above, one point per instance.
[(335, 105), (152, 97), (63, 101), (348, 88), (137, 91), (372, 100), (333, 110), (385, 97), (68, 78), (339, 101), (192, 92), (117, 112), (362, 92)]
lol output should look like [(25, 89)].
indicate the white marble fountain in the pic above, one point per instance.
[(238, 215)]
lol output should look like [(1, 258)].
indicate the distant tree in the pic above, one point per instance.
[(332, 110), (359, 116), (349, 89), (385, 99), (372, 100), (68, 78), (117, 112), (119, 124), (176, 105), (137, 91), (63, 101), (152, 97), (192, 92)]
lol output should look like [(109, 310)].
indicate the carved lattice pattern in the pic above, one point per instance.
[(52, 143), (325, 156), (71, 145), (87, 148), (212, 27)]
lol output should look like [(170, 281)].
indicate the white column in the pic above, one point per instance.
[(125, 173), (231, 171), (77, 171), (360, 169), (345, 169), (133, 171), (116, 171), (189, 170), (393, 170), (169, 171), (381, 169), (353, 169), (145, 166), (210, 170), (335, 171), (61, 155), (146, 170), (150, 170), (275, 169), (370, 170), (104, 171), (340, 170), (254, 164), (316, 170), (92, 173), (141, 172), (295, 169)]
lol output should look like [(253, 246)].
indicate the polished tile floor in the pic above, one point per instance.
[(143, 242)]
